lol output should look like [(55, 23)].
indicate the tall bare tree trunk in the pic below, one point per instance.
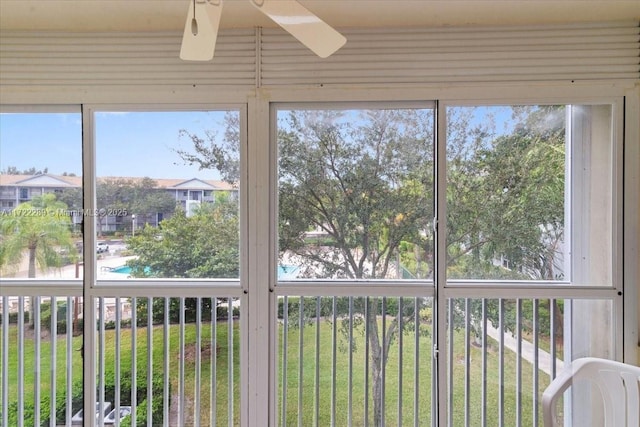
[(376, 362)]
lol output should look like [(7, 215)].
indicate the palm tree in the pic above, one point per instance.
[(41, 230)]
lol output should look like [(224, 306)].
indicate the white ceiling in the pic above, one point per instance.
[(160, 15)]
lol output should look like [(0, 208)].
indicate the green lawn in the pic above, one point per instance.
[(392, 389)]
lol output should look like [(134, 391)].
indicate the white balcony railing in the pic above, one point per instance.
[(342, 360), (179, 369)]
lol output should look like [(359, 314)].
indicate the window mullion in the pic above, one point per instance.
[(439, 379), (89, 265)]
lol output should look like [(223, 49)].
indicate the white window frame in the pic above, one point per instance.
[(258, 302)]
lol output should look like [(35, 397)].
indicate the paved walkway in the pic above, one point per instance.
[(527, 352)]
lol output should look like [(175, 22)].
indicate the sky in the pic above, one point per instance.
[(133, 144), (128, 144)]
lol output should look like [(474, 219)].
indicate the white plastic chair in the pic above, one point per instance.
[(618, 384)]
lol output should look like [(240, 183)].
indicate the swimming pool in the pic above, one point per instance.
[(123, 269)]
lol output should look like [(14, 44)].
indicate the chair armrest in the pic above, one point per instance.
[(553, 392)]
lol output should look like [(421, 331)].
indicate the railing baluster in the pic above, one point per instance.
[(5, 361), (383, 368), (450, 366), (501, 364), (198, 372), (350, 373), (230, 363), (165, 363), (21, 359), (285, 335), (118, 354), (552, 334), (519, 362), (53, 360), (334, 332), (69, 361), (416, 363), (101, 362), (134, 360), (484, 363), (35, 310), (300, 357), (366, 361), (149, 361), (536, 344), (467, 362), (181, 388), (198, 360), (213, 361), (400, 336), (316, 405)]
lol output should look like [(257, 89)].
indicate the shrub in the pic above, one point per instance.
[(45, 316), (13, 317), (174, 310), (157, 388)]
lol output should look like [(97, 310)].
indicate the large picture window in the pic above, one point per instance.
[(530, 193), (403, 263)]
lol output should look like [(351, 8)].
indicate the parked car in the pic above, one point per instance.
[(77, 418), (110, 419), (102, 247)]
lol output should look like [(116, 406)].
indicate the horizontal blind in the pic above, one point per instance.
[(443, 55), (371, 56), (123, 59)]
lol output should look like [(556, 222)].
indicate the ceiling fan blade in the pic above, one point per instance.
[(310, 30), (200, 46)]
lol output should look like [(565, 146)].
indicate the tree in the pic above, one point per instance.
[(147, 200), (12, 170), (205, 245), (505, 200), (212, 152), (126, 196), (366, 181), (41, 230)]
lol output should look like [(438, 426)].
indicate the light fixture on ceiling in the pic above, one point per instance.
[(199, 38)]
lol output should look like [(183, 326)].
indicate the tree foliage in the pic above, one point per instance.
[(213, 152), (364, 179), (505, 199), (204, 245), (141, 197), (365, 182), (12, 170), (39, 230)]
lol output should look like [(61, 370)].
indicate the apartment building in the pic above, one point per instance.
[(17, 189)]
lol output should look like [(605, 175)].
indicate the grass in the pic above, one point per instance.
[(396, 397)]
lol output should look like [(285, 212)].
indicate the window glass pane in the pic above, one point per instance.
[(41, 238), (592, 195), (355, 194), (40, 195), (528, 190), (167, 194)]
